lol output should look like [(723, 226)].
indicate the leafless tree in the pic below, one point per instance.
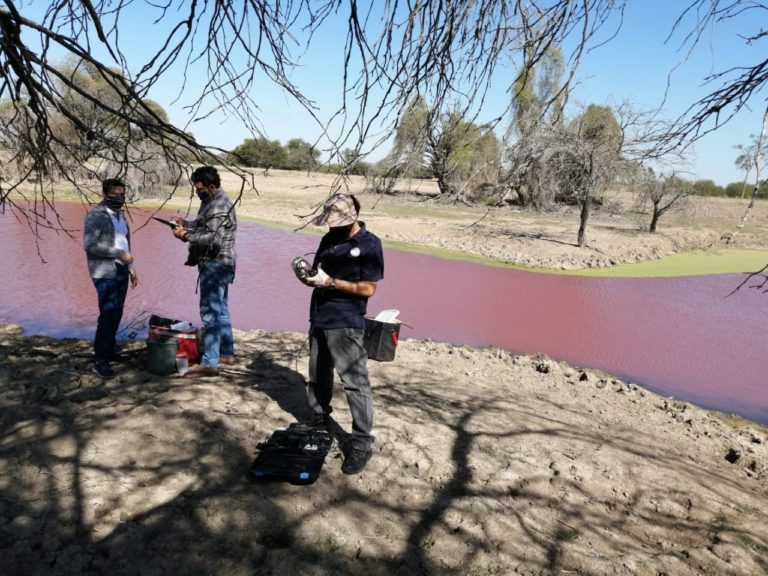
[(655, 175), (661, 191), (761, 276), (745, 161), (758, 160), (392, 52), (748, 157), (584, 159)]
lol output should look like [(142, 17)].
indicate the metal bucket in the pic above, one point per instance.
[(161, 355)]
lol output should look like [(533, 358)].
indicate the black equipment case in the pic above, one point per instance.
[(295, 455)]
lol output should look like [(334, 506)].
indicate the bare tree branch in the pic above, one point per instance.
[(733, 88), (758, 157), (448, 51)]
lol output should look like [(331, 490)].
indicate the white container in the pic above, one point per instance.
[(182, 364), (387, 316)]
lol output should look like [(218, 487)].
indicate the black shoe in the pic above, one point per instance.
[(103, 370), (356, 460), (317, 422)]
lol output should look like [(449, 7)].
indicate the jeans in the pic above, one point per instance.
[(111, 293), (342, 349), (215, 279)]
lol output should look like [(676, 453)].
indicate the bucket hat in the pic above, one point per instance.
[(338, 210)]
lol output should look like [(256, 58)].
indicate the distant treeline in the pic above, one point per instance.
[(732, 190), (297, 154)]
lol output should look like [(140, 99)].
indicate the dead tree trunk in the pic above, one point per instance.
[(586, 202), (655, 217)]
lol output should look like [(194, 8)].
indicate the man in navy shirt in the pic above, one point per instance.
[(349, 262)]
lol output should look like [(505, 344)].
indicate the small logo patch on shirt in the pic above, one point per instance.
[(354, 252)]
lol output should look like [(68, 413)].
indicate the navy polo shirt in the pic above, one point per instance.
[(354, 259)]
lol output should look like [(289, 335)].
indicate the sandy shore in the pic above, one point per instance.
[(484, 463)]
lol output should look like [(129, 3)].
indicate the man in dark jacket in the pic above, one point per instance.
[(349, 262), (107, 243)]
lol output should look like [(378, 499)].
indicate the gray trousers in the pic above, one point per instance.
[(342, 349)]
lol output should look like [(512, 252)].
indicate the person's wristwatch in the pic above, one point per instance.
[(333, 283)]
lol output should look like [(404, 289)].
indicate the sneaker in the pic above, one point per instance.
[(227, 360), (356, 460), (200, 371), (103, 370)]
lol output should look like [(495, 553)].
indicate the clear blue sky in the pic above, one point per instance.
[(641, 60), (635, 65)]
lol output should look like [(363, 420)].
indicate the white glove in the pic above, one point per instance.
[(321, 279)]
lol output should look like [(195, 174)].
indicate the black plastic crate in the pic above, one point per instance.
[(381, 339), (295, 455)]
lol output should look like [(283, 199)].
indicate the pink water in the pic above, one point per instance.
[(680, 336)]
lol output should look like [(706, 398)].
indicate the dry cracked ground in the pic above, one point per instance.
[(485, 463)]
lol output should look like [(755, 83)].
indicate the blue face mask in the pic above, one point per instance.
[(203, 195), (115, 202)]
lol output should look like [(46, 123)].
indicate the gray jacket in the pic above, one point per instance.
[(99, 243)]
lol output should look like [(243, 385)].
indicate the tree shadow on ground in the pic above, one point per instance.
[(175, 480), (552, 506), (148, 475)]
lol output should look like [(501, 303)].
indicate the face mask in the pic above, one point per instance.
[(204, 194), (339, 233), (115, 202)]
